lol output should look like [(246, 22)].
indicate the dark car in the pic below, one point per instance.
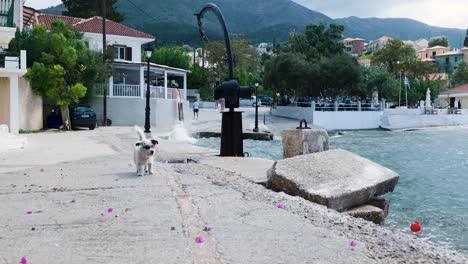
[(80, 116), (265, 100)]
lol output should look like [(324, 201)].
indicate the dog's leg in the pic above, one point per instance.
[(150, 168), (140, 170)]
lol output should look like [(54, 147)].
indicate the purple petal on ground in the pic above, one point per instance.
[(353, 243), (207, 229), (199, 240), (24, 260), (280, 206), (29, 212), (109, 210)]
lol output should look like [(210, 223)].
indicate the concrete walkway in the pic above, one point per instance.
[(57, 212)]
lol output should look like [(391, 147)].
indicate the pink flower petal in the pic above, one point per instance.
[(29, 212), (207, 229), (199, 240), (42, 170), (109, 210), (24, 260), (353, 244), (280, 206)]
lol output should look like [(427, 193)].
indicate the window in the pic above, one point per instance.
[(447, 60), (122, 53), (456, 59), (434, 53)]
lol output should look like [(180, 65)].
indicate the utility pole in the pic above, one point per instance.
[(106, 81)]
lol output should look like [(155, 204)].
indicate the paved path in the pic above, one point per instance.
[(156, 218)]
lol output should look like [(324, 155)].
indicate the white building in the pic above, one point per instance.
[(19, 107), (127, 86)]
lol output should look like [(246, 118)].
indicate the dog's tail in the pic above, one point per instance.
[(140, 132)]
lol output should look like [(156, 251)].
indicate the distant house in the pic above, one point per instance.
[(128, 83), (365, 62), (418, 44), (265, 48), (378, 43), (354, 46), (429, 54), (448, 61), (450, 98), (20, 109)]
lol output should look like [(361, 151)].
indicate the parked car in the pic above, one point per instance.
[(247, 102), (80, 116), (265, 100)]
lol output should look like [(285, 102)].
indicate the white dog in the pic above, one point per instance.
[(144, 153)]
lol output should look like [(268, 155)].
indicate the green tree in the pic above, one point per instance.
[(171, 56), (244, 56), (313, 64), (317, 41), (378, 79), (340, 74), (438, 41), (63, 67), (396, 56), (87, 9), (460, 75)]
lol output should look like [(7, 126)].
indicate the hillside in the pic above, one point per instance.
[(173, 22), (402, 28)]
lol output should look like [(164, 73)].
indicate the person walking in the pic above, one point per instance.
[(196, 107)]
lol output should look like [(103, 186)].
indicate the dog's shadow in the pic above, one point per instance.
[(125, 175)]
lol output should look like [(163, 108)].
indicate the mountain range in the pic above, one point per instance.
[(173, 22)]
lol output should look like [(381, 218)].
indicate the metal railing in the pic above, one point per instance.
[(339, 106), (7, 8), (126, 90)]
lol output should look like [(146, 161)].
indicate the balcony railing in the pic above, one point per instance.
[(126, 90), (9, 60), (7, 8)]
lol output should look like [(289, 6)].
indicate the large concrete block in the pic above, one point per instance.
[(304, 141), (336, 178), (369, 213)]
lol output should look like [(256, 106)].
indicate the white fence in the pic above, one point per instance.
[(127, 90)]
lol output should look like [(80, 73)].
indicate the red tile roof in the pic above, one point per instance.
[(457, 90), (94, 25), (90, 25)]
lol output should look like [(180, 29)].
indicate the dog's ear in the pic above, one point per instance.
[(138, 143), (154, 142)]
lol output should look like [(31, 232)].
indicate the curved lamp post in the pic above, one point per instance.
[(231, 91), (148, 53)]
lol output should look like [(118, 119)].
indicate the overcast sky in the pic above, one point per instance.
[(444, 13)]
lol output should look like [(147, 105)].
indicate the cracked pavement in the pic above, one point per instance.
[(57, 212)]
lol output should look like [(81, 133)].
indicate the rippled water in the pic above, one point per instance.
[(433, 168)]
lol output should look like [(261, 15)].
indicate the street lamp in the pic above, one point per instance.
[(256, 106), (148, 53)]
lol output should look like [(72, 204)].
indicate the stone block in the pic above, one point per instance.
[(304, 141), (335, 178), (380, 202), (369, 213)]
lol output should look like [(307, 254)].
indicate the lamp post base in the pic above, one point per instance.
[(231, 135), (256, 129)]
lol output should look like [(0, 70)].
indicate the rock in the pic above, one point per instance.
[(336, 178), (369, 213), (304, 141), (381, 203)]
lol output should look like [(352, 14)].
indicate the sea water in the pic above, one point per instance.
[(433, 168)]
